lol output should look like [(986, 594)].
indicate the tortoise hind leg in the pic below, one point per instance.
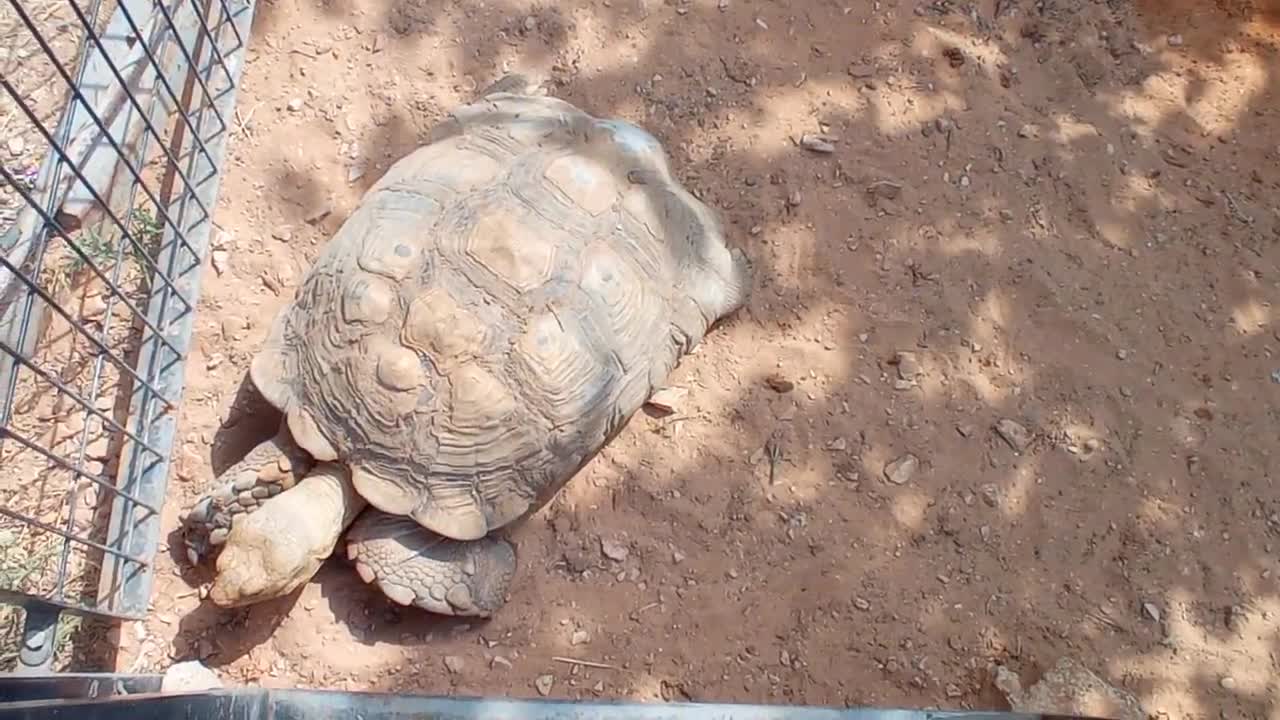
[(414, 566), (267, 470)]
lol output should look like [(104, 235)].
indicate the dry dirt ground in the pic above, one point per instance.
[(1014, 340)]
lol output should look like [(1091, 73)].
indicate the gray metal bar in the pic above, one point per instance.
[(123, 589)]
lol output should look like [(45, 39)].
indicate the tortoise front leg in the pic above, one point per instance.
[(269, 469), (279, 547)]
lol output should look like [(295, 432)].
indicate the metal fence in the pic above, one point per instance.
[(113, 120)]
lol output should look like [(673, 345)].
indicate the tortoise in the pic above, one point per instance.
[(492, 313)]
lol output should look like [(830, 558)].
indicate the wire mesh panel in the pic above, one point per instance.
[(113, 118)]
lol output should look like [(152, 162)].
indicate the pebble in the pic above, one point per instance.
[(861, 604), (822, 144), (454, 664), (1029, 131), (990, 494), (614, 550), (677, 557), (580, 637), (1014, 434), (1151, 611), (1122, 354), (16, 146), (908, 365), (543, 684), (779, 384), (900, 471), (500, 662), (189, 676), (1227, 683), (1176, 40), (295, 105), (219, 261), (667, 400)]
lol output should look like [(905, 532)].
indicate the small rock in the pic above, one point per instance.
[(16, 146), (779, 384), (884, 189), (1227, 683), (1176, 40), (1006, 215), (189, 676), (990, 494), (1151, 611), (955, 56), (1029, 132), (580, 637), (794, 198), (667, 400), (908, 365), (500, 662), (822, 144), (838, 445), (1122, 354), (214, 361), (677, 557), (861, 604), (544, 684), (900, 471), (614, 550), (294, 105), (218, 259), (454, 664), (1017, 436)]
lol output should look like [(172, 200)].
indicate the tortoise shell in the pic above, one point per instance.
[(496, 308)]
